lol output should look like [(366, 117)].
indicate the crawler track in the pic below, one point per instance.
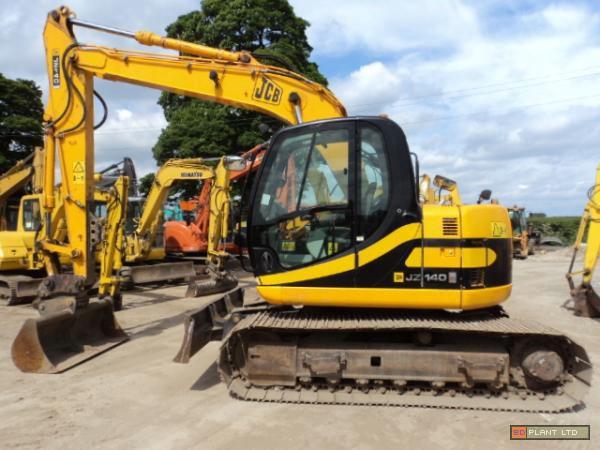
[(16, 289), (289, 330)]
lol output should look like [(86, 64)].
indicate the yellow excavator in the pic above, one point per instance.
[(143, 259), (20, 268), (585, 299), (522, 240), (24, 172), (369, 296)]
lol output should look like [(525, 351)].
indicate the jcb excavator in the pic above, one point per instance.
[(369, 297), (585, 298)]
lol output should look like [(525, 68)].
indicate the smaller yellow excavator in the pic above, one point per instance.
[(138, 260), (585, 299), (17, 177), (432, 196), (21, 268), (444, 191)]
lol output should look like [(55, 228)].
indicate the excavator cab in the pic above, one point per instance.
[(324, 194), (335, 221)]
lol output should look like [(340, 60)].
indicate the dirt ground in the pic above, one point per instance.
[(134, 396)]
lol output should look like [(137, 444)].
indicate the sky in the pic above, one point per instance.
[(501, 95)]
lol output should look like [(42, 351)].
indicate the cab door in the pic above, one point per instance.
[(303, 218)]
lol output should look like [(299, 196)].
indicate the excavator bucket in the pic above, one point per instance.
[(206, 324), (586, 302), (60, 340)]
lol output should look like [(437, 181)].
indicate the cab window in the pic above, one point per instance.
[(373, 182), (304, 211), (31, 215)]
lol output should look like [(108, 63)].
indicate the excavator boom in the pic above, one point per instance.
[(235, 79), (586, 299)]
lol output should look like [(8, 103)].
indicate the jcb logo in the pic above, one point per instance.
[(267, 91)]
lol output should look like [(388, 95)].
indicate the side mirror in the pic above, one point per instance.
[(486, 194)]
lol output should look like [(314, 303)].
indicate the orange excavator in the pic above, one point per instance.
[(191, 236)]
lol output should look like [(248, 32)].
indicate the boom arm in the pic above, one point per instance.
[(116, 206), (587, 301), (228, 78)]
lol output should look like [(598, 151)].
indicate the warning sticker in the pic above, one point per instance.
[(499, 230), (78, 172)]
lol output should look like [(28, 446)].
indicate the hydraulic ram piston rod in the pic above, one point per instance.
[(155, 40)]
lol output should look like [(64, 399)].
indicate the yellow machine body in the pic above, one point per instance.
[(475, 222)]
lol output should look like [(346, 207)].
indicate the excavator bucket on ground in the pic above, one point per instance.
[(586, 302), (62, 339), (206, 324)]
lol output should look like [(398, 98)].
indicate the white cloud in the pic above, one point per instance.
[(129, 133), (383, 26), (512, 106), (135, 120), (564, 17), (124, 114), (489, 98)]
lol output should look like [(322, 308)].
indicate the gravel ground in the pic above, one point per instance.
[(135, 397)]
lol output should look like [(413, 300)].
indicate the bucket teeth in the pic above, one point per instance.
[(60, 340)]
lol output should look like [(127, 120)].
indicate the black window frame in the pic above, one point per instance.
[(268, 161)]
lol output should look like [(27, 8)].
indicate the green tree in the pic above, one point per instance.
[(267, 28), (145, 184), (21, 114)]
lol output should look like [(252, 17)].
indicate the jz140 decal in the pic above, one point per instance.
[(450, 277)]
